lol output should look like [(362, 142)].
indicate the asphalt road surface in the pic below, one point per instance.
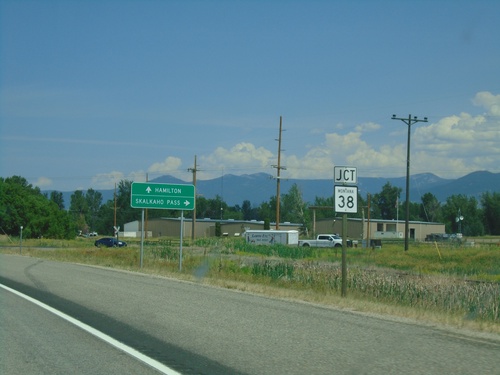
[(35, 341), (196, 329)]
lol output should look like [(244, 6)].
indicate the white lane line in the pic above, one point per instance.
[(117, 344)]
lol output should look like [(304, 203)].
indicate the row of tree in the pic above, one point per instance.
[(44, 215)]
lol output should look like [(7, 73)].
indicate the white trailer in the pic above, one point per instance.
[(271, 237)]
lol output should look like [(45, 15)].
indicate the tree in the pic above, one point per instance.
[(461, 205), (248, 212), (293, 207), (491, 212), (78, 210), (124, 212), (267, 224), (267, 210), (373, 208), (210, 208), (362, 204), (218, 229), (431, 208), (93, 200), (119, 206), (387, 200), (57, 198), (24, 205), (324, 202), (233, 213), (105, 218)]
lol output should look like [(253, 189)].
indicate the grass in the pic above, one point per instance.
[(452, 285)]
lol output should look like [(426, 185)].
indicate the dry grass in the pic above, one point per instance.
[(452, 288)]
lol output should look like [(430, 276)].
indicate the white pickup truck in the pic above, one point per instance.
[(323, 240)]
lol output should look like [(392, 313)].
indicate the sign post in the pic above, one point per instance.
[(346, 201), (142, 237), (162, 196)]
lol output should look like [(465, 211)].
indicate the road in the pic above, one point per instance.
[(35, 341), (196, 329)]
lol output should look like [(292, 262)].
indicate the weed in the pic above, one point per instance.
[(455, 281)]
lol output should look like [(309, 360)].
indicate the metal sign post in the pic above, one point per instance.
[(142, 236), (343, 292), (182, 236), (162, 196), (346, 201)]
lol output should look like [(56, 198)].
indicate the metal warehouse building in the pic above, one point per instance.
[(357, 229), (170, 227)]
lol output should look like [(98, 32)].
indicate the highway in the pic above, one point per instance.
[(197, 329), (35, 341)]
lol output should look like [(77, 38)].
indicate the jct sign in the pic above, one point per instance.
[(346, 199), (345, 175)]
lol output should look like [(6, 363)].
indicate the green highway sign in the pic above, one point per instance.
[(162, 196)]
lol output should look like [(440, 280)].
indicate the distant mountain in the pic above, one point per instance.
[(473, 184), (260, 187)]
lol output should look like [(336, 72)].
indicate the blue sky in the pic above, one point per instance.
[(93, 92)]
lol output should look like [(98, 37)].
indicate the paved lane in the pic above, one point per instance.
[(35, 341), (199, 329)]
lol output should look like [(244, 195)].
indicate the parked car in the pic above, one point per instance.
[(109, 242)]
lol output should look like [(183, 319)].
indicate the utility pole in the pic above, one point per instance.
[(222, 194), (114, 197), (278, 169), (408, 121), (368, 198), (193, 221)]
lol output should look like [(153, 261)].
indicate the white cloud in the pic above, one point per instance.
[(107, 180), (139, 176), (43, 182), (449, 147), (168, 166), (317, 163), (488, 101), (367, 127), (242, 157), (460, 144)]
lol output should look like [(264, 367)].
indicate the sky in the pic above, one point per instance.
[(95, 92)]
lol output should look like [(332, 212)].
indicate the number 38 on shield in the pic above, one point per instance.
[(346, 199)]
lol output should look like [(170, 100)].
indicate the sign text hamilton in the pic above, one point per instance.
[(162, 196)]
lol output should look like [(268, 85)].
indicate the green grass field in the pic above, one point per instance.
[(455, 285)]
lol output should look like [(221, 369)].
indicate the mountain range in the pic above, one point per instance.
[(260, 187)]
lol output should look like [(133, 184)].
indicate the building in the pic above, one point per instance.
[(359, 229), (171, 227)]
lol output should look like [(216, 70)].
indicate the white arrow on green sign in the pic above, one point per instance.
[(162, 196)]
